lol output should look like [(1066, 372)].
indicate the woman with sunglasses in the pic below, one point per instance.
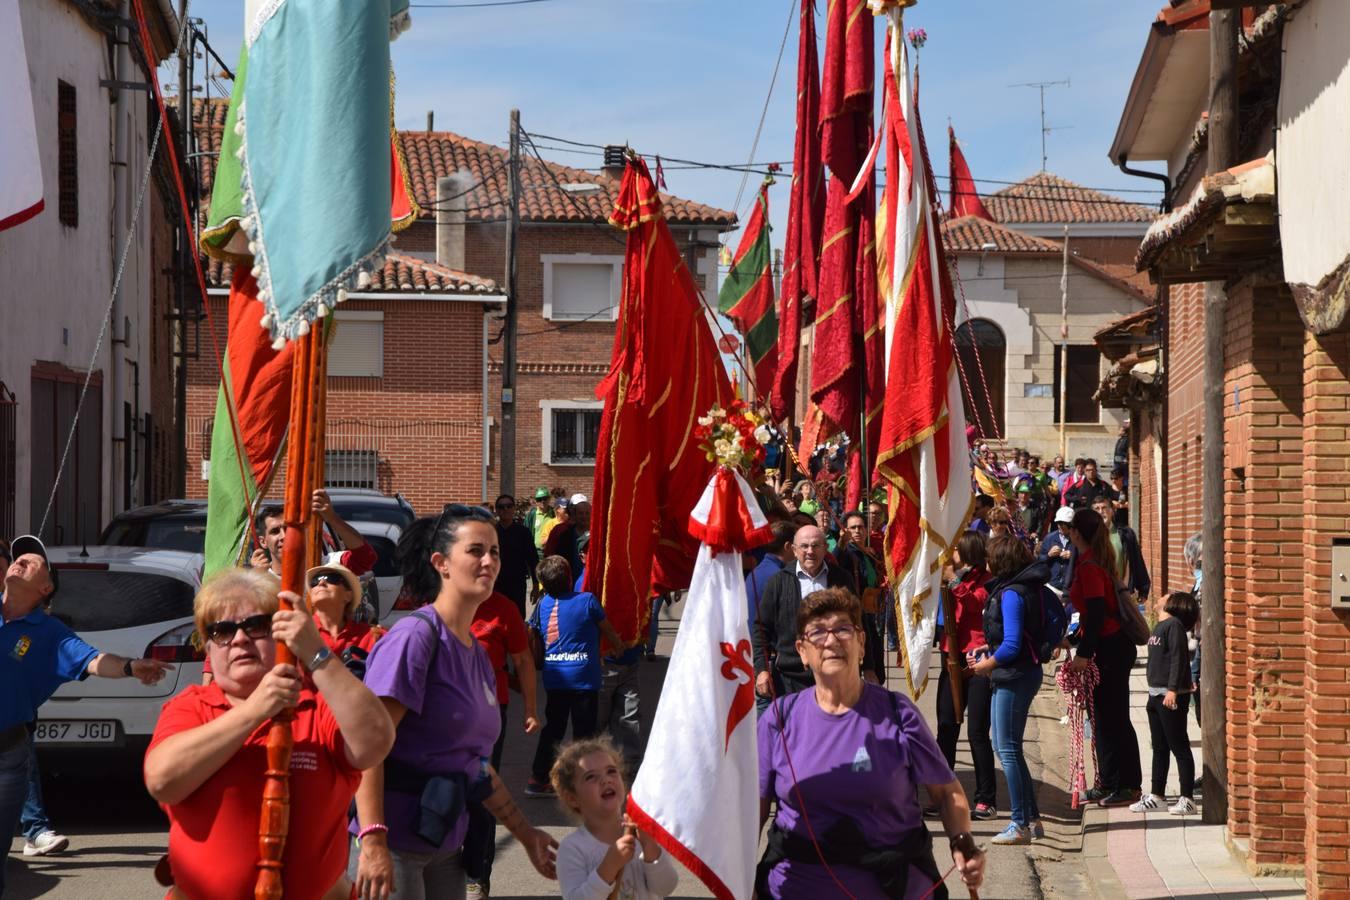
[(208, 755), (438, 685), (334, 594), (845, 760)]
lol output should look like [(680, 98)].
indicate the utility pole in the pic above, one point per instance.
[(1064, 347), (1045, 129), (508, 433), (1223, 127), (182, 262)]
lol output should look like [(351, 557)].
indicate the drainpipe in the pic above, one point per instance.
[(499, 316), (121, 111), (1156, 176)]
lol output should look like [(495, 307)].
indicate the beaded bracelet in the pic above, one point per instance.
[(371, 829)]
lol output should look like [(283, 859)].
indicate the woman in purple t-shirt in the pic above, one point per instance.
[(438, 685), (854, 755)]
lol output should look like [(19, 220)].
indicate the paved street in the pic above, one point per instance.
[(117, 834)]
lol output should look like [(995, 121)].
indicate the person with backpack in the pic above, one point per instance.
[(1104, 636), (1014, 627)]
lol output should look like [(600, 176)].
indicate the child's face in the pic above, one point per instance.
[(599, 790)]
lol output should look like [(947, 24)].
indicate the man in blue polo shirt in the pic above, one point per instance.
[(37, 655)]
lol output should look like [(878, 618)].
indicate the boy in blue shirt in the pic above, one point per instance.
[(571, 624)]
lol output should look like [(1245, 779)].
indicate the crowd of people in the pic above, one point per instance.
[(399, 734)]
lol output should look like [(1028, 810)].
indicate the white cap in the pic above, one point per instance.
[(577, 498), (1064, 516)]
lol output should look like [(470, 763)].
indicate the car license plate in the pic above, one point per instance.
[(91, 731)]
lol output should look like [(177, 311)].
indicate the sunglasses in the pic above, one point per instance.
[(256, 627), (819, 637), (327, 578), (459, 512)]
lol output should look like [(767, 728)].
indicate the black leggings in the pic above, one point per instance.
[(1117, 744), (979, 692), (1168, 730), (582, 707)]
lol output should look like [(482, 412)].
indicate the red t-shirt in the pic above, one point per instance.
[(213, 834), (499, 627), (1090, 579), (970, 596)]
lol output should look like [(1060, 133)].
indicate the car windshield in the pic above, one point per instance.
[(366, 511), (385, 567), (103, 600), (163, 533)]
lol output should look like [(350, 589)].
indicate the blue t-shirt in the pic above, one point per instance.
[(38, 654), (572, 661)]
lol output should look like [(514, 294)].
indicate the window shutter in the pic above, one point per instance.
[(357, 350), (67, 156), (582, 290)]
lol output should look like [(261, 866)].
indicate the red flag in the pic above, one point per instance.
[(922, 457), (837, 358), (965, 201), (664, 373), (806, 211)]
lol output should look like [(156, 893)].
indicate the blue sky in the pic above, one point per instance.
[(688, 78)]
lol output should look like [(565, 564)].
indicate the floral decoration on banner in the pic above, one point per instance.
[(917, 38), (734, 437)]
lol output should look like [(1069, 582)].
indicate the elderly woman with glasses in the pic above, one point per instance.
[(845, 760), (334, 594), (438, 685), (208, 757)]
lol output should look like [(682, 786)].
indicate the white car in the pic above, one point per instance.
[(133, 602)]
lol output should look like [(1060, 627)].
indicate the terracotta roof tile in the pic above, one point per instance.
[(434, 154), (1048, 198), (969, 234), (401, 274)]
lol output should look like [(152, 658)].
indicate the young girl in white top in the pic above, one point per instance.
[(607, 858)]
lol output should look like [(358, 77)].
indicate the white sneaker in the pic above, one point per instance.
[(1148, 803), (46, 844), (1183, 807)]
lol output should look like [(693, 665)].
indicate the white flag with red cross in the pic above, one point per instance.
[(20, 166), (697, 792)]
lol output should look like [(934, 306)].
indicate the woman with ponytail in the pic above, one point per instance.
[(438, 685), (1093, 593)]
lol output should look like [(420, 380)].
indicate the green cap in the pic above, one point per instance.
[(542, 494)]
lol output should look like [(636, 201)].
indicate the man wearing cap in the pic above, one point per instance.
[(519, 554), (540, 516), (37, 655), (1056, 549)]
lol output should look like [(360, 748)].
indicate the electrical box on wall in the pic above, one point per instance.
[(1340, 573)]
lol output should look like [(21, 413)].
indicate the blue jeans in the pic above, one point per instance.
[(1010, 706), (14, 774), (33, 820), (654, 627)]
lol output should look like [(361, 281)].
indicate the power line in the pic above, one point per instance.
[(759, 129)]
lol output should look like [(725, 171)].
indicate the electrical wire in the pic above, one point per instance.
[(764, 113)]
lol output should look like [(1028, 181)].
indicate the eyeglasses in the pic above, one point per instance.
[(461, 512), (327, 578), (256, 627), (819, 637)]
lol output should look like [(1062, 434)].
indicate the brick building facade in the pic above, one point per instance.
[(1248, 232), (423, 417)]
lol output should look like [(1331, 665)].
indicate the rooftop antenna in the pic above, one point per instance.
[(1045, 129)]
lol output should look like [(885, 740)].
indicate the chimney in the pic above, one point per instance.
[(615, 160), (451, 191), (431, 120)]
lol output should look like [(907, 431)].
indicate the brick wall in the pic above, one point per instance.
[(424, 417), (1263, 470), (1326, 666)]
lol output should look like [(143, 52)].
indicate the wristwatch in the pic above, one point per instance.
[(126, 669), (323, 656)]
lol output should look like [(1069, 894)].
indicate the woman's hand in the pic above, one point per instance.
[(1170, 700), (296, 629), (1080, 663), (531, 723), (971, 868), (374, 869), (278, 690), (984, 665), (541, 848)]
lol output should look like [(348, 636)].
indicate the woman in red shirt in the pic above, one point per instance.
[(207, 760), (1093, 594), (967, 579), (334, 594)]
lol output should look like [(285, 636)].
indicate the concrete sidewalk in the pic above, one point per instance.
[(1146, 855)]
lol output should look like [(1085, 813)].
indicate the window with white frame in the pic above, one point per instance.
[(357, 348), (570, 431), (581, 287)]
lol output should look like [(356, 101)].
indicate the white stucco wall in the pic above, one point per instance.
[(1022, 297), (55, 281), (1311, 143)]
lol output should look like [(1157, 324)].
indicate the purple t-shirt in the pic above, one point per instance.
[(863, 765), (452, 721)]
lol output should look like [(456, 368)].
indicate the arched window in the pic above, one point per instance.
[(982, 351)]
